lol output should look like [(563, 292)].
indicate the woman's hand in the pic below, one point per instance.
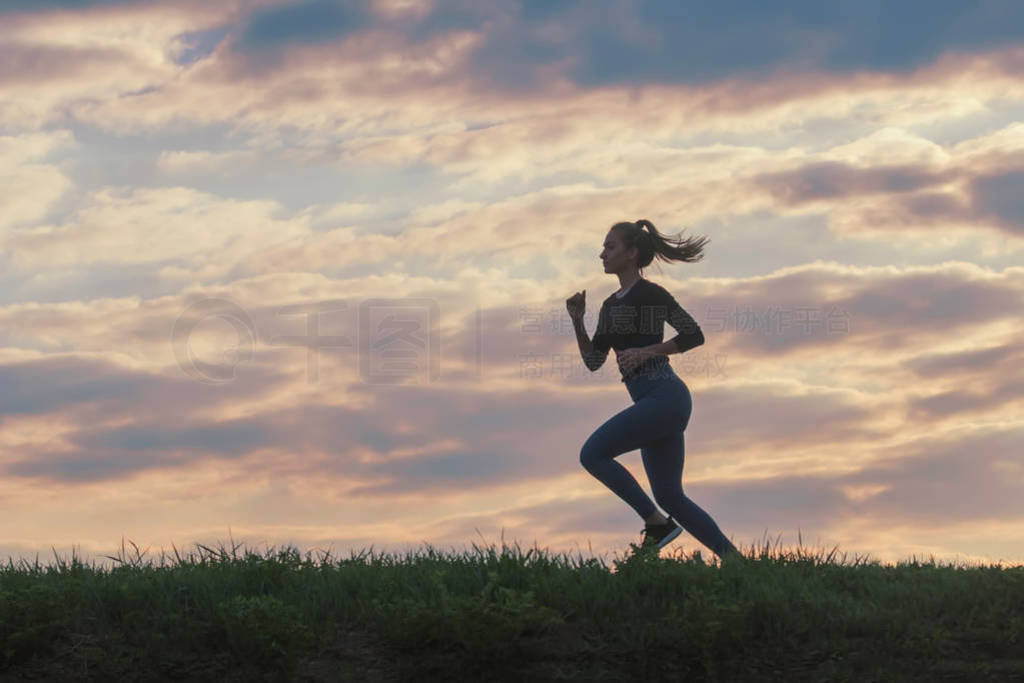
[(631, 358), (577, 305)]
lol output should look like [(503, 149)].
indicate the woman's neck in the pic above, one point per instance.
[(624, 287)]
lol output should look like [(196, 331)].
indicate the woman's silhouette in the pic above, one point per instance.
[(632, 322)]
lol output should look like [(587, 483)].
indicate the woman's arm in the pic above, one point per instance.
[(592, 358)]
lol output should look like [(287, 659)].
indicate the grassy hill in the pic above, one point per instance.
[(510, 616)]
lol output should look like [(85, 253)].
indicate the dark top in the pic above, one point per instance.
[(637, 320)]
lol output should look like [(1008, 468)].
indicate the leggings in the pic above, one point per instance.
[(654, 424)]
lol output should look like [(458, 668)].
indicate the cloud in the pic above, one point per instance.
[(203, 161), (33, 64), (957, 364), (829, 180), (317, 64), (817, 306), (65, 386), (29, 187), (192, 46), (152, 225), (774, 415), (969, 400), (712, 41), (39, 6), (953, 477), (86, 8), (62, 59), (965, 476), (381, 441), (966, 189), (657, 41), (997, 196), (308, 21), (414, 442)]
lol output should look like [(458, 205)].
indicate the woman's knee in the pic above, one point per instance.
[(586, 456), (591, 452)]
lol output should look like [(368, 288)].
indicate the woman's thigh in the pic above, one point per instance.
[(663, 462), (650, 419)]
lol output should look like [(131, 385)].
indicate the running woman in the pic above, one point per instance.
[(632, 322)]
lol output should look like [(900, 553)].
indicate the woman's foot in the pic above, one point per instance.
[(732, 557), (655, 519), (660, 535)]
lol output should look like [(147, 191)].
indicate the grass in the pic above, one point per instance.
[(496, 616)]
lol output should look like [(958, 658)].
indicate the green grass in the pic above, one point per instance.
[(508, 615)]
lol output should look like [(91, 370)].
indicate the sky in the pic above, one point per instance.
[(294, 273)]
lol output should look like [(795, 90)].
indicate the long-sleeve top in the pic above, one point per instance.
[(637, 320)]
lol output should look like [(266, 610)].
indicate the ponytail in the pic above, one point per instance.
[(650, 244)]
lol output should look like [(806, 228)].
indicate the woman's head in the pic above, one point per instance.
[(635, 245)]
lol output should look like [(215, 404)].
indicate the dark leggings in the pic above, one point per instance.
[(654, 424)]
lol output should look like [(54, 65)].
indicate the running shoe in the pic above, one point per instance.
[(661, 535)]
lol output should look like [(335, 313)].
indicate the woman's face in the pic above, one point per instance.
[(614, 255)]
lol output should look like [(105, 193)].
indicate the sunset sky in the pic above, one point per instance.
[(297, 271)]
